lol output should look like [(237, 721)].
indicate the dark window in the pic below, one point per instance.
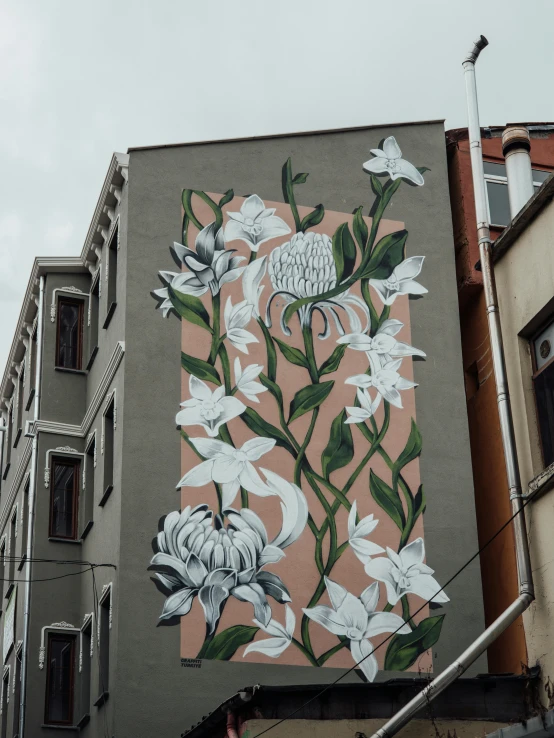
[(16, 694), (9, 436), (108, 451), (69, 339), (2, 570), (64, 495), (543, 380), (11, 550), (32, 368), (60, 680), (86, 640), (20, 390), (111, 266), (88, 502), (94, 310), (25, 523), (497, 191), (5, 705), (104, 648)]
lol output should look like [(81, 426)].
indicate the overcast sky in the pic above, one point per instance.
[(82, 78)]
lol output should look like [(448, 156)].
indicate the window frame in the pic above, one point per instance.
[(57, 636), (535, 374), (495, 178), (64, 299), (76, 464)]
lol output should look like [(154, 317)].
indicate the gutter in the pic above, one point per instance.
[(525, 579), (30, 523)]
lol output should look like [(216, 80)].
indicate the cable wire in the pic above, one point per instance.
[(373, 650)]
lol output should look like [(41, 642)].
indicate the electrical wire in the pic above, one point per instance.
[(525, 502), (49, 579)]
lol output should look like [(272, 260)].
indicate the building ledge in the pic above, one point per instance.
[(107, 493), (83, 721), (55, 539), (92, 357), (102, 699), (540, 726), (87, 529), (110, 314), (60, 727), (70, 371), (542, 482)]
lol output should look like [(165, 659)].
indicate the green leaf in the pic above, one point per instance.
[(199, 368), (300, 178), (227, 197), (382, 202), (387, 255), (272, 387), (312, 219), (190, 308), (308, 398), (403, 650), (271, 353), (332, 363), (225, 644), (344, 252), (411, 451), (261, 427), (387, 499), (361, 232), (294, 355), (286, 180), (187, 205), (340, 450), (419, 502), (376, 186)]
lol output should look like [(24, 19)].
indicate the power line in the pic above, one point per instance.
[(352, 668)]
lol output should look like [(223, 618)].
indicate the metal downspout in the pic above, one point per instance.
[(30, 521), (525, 579)]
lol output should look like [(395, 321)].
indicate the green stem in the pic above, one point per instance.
[(310, 354), (216, 316), (226, 368), (308, 654), (244, 497), (253, 255), (302, 451), (406, 616), (374, 317)]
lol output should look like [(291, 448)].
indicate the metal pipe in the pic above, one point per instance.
[(31, 517), (526, 593), (516, 147)]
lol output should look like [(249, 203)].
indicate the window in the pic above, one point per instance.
[(69, 338), (32, 368), (497, 191), (25, 523), (543, 380), (104, 649), (11, 552), (16, 694), (64, 495), (111, 274), (19, 415), (2, 568), (88, 506), (60, 680), (86, 641), (108, 451), (94, 307), (8, 447), (5, 702)]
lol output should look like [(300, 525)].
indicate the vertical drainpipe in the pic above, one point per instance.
[(31, 518), (525, 579), (516, 146)]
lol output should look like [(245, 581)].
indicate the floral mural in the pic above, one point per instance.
[(300, 527)]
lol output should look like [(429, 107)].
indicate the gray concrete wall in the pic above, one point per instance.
[(157, 689)]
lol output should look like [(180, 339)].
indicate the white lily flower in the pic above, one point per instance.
[(386, 381), (383, 347), (367, 406), (405, 573), (363, 548), (356, 619), (208, 409), (294, 507), (401, 281), (184, 282), (255, 223), (282, 636), (236, 319), (244, 380), (251, 281), (229, 466), (389, 159)]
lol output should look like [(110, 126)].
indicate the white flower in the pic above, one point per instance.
[(386, 381), (357, 620), (363, 548), (244, 380), (236, 319), (184, 282), (229, 466), (196, 558), (383, 347), (304, 267), (294, 507), (255, 223), (282, 636), (367, 406), (210, 266), (208, 409), (251, 280), (405, 573), (401, 281), (389, 159)]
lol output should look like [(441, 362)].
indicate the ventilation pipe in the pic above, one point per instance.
[(526, 594), (516, 146)]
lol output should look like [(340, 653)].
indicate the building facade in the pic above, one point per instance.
[(511, 652), (135, 424)]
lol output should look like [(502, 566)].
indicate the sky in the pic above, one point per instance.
[(80, 79)]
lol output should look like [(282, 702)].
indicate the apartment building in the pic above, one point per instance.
[(144, 572)]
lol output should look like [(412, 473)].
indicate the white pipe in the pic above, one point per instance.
[(31, 518), (516, 145), (526, 593)]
